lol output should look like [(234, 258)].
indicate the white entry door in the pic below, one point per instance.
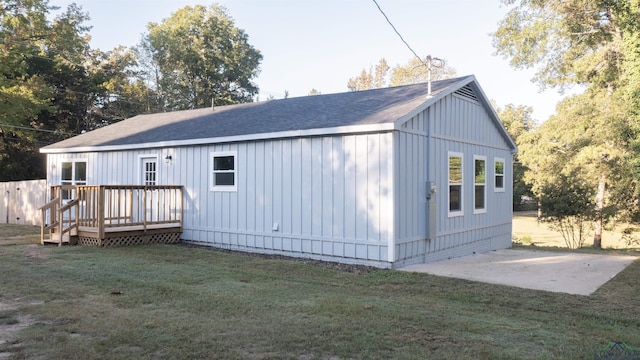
[(149, 177), (149, 171)]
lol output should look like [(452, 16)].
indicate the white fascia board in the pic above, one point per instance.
[(351, 129)]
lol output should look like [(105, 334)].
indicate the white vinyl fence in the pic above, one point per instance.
[(20, 201)]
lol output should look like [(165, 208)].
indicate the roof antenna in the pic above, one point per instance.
[(432, 61)]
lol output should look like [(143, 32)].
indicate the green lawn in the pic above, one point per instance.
[(168, 301), (527, 230)]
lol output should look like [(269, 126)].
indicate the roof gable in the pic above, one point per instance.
[(362, 111)]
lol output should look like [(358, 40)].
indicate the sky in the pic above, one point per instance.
[(320, 44)]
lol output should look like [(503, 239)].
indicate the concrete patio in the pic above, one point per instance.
[(571, 273)]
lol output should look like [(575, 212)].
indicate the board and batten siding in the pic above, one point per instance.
[(322, 197), (452, 124)]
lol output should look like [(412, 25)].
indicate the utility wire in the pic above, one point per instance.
[(397, 32), (34, 129)]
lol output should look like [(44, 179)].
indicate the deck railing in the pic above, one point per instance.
[(104, 207)]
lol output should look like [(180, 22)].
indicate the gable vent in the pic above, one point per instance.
[(467, 93)]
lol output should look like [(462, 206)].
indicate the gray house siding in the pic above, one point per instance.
[(323, 197), (453, 124)]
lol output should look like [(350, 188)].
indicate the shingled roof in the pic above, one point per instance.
[(376, 109)]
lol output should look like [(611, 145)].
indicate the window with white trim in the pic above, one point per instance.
[(224, 171), (455, 175), (480, 184), (73, 172), (499, 174)]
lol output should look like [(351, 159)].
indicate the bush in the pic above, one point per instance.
[(568, 206)]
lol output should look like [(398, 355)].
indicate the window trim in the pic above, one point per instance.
[(495, 175), (483, 209), (212, 171), (141, 170), (73, 170), (73, 181), (452, 154)]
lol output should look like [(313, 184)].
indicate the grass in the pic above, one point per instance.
[(528, 231), (167, 301)]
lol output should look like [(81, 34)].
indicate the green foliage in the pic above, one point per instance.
[(413, 72), (197, 55), (518, 122), (567, 42), (593, 43), (53, 86), (568, 205)]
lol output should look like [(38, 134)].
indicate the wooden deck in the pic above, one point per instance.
[(108, 215)]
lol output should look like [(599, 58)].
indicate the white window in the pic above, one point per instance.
[(480, 184), (224, 171), (73, 172), (499, 174), (455, 184)]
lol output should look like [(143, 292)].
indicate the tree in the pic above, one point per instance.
[(592, 43), (582, 142), (197, 55), (518, 122), (52, 86), (566, 208), (373, 79), (415, 71), (120, 90)]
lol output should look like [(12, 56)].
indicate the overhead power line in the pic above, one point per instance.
[(34, 129), (397, 32)]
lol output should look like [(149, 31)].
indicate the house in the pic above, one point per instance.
[(385, 177)]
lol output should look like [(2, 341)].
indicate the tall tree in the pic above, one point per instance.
[(416, 71), (198, 55), (52, 85), (584, 42), (375, 78), (518, 122)]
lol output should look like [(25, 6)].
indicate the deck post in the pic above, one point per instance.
[(101, 206), (144, 210)]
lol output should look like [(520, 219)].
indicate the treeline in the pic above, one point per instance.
[(583, 163), (53, 85)]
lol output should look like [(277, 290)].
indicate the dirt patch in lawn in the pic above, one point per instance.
[(11, 322)]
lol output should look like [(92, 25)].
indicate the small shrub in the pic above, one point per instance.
[(568, 207), (629, 238), (524, 239)]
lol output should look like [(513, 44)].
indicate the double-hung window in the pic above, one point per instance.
[(499, 175), (455, 184), (224, 171), (480, 184), (73, 172)]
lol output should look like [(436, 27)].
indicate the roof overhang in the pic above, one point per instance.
[(341, 130)]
